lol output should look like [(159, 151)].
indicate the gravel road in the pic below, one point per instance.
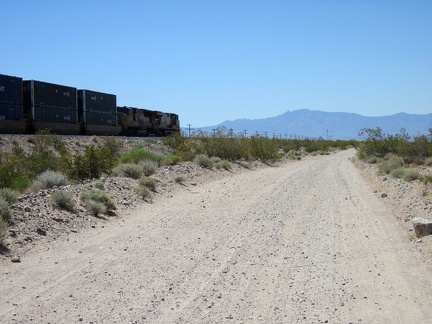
[(305, 242)]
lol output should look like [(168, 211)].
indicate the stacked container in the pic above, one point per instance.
[(10, 98), (50, 103), (97, 108)]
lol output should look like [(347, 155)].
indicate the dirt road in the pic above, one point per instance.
[(307, 242)]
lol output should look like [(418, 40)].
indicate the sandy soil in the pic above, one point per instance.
[(306, 242)]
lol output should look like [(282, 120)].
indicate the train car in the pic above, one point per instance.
[(98, 113), (11, 105), (137, 122), (50, 106), (28, 106), (169, 123)]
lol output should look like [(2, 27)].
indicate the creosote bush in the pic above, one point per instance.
[(63, 199)]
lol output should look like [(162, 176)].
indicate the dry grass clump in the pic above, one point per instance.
[(5, 210), (9, 195), (96, 201), (49, 179), (148, 167), (390, 163), (180, 179), (63, 199), (203, 161)]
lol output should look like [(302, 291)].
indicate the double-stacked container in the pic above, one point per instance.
[(98, 112), (11, 104), (51, 106)]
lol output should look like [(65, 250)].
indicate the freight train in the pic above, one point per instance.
[(27, 106)]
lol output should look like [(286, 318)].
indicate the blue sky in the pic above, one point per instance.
[(211, 61)]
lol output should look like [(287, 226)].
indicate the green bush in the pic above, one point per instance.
[(95, 161), (49, 179), (171, 159), (139, 153), (148, 167), (5, 210), (203, 161), (128, 170), (9, 195), (398, 172), (89, 197)]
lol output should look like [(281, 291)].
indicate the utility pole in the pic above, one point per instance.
[(189, 125)]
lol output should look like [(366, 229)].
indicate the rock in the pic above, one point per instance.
[(422, 226), (384, 195), (27, 209), (41, 231), (16, 259)]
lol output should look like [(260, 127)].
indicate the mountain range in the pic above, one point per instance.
[(305, 123)]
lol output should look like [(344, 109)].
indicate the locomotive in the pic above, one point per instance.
[(27, 106)]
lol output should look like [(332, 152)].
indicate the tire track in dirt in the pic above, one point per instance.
[(302, 242)]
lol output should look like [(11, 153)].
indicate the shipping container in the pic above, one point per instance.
[(10, 111), (11, 90), (51, 115), (96, 102), (99, 118), (48, 95)]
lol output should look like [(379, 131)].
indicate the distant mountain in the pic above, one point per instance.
[(331, 125)]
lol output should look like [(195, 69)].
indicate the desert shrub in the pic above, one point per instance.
[(95, 161), (223, 164), (99, 185), (3, 229), (50, 179), (428, 161), (171, 159), (389, 163), (148, 182), (411, 175), (9, 195), (128, 170), (5, 210), (215, 159), (180, 179), (113, 145), (96, 195), (139, 153), (95, 207), (427, 178), (398, 172), (203, 161), (63, 199), (148, 167), (144, 193), (372, 159)]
